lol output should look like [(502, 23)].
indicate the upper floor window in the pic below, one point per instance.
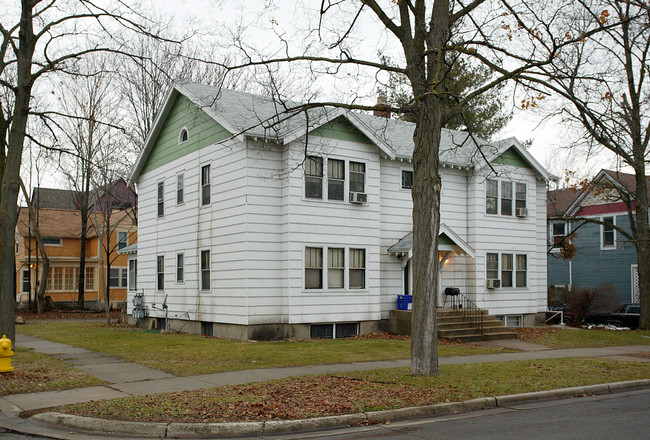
[(558, 232), (608, 234), (335, 179), (357, 177), (183, 135), (407, 179), (505, 197), (180, 196), (491, 196), (205, 185), (121, 239), (314, 177), (51, 241), (161, 199)]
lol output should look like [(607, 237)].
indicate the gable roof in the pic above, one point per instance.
[(624, 182), (247, 115), (55, 223), (558, 201), (448, 240)]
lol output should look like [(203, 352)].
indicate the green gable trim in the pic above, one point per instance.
[(513, 158), (341, 129), (203, 131), (444, 240)]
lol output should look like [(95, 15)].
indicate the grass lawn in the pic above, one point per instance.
[(185, 354), (314, 396), (573, 338), (34, 372)]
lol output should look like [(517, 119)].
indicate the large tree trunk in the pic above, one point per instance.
[(11, 170), (426, 224), (643, 245)]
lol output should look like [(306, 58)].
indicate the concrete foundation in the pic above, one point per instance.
[(258, 332)]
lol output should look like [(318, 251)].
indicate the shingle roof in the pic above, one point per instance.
[(558, 201), (56, 223), (626, 180), (53, 198)]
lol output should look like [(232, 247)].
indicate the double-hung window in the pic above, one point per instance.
[(335, 179), (160, 272), (506, 198), (506, 270), (608, 234), (491, 196), (313, 268), (69, 279), (26, 281), (133, 274), (314, 177), (520, 195), (125, 278), (180, 196), (122, 239), (522, 268), (161, 199), (335, 268), (114, 277), (205, 270), (205, 185), (180, 266), (492, 265), (357, 268), (90, 278), (357, 177), (558, 232)]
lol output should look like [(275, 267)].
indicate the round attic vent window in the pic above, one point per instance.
[(183, 136)]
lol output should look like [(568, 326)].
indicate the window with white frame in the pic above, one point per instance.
[(122, 237), (57, 278), (520, 195), (114, 277), (407, 179), (160, 272), (313, 177), (161, 199), (133, 274), (335, 268), (558, 232), (607, 233), (180, 267), (205, 270), (492, 266), (89, 278), (313, 268), (205, 185), (491, 196), (180, 185), (506, 198), (522, 269), (357, 268), (357, 177), (183, 135), (506, 270), (124, 278), (70, 279), (335, 179)]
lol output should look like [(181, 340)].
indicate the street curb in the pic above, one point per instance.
[(235, 429)]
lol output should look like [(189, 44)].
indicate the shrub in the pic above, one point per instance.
[(582, 302)]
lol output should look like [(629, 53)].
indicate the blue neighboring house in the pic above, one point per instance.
[(602, 254)]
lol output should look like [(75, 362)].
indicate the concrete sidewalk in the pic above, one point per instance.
[(125, 379)]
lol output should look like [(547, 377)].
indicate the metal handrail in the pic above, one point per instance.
[(468, 309)]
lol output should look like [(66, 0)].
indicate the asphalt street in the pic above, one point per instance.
[(619, 416)]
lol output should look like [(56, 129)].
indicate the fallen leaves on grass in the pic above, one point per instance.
[(530, 334)]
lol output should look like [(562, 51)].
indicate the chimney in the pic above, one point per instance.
[(382, 103)]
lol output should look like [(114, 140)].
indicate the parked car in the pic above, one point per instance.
[(626, 315)]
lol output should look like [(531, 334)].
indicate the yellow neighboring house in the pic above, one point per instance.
[(61, 233)]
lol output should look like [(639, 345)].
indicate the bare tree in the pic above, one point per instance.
[(40, 38), (606, 90)]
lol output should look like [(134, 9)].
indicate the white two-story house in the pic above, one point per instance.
[(259, 221)]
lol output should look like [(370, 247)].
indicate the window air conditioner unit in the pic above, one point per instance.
[(493, 284), (358, 197), (522, 212)]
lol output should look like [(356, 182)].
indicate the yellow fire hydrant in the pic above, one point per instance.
[(5, 355)]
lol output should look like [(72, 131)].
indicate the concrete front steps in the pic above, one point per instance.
[(453, 326)]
